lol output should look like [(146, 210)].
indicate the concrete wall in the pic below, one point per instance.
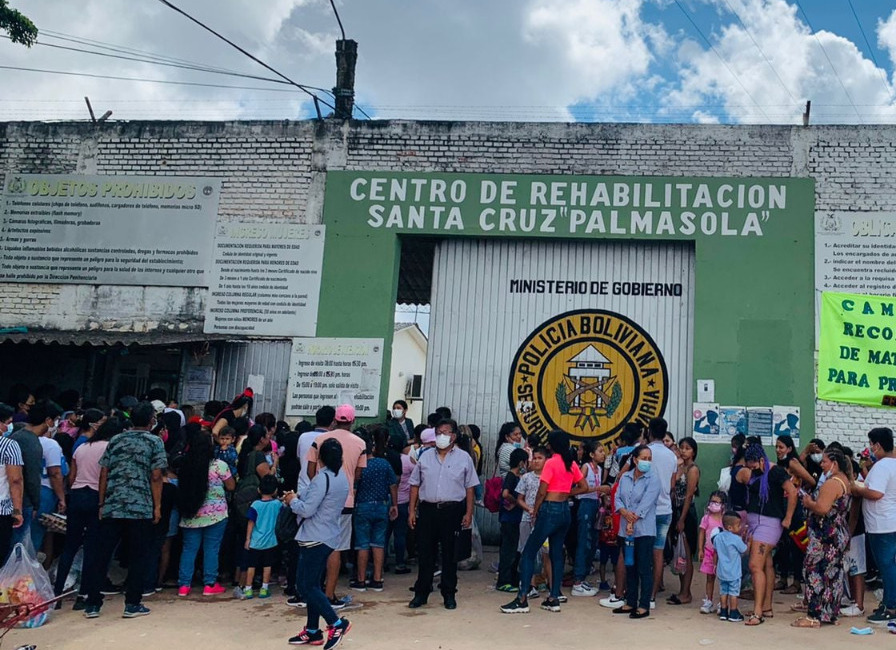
[(273, 171), (408, 359)]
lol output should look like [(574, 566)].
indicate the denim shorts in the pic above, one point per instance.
[(371, 522), (729, 587), (662, 529)]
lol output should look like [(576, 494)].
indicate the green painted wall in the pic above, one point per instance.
[(754, 312)]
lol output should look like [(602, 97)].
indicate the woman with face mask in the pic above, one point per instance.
[(789, 557), (510, 437), (400, 422), (828, 522)]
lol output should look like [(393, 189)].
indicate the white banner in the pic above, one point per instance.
[(329, 371), (125, 230)]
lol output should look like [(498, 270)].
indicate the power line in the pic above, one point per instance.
[(251, 56), (338, 20), (747, 31), (830, 63), (721, 58), (880, 71)]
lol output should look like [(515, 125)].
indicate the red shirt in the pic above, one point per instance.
[(558, 478)]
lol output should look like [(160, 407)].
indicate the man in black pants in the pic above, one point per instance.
[(442, 485)]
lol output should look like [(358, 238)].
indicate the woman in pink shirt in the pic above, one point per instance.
[(560, 479), (83, 523)]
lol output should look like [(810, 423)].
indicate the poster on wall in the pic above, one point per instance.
[(759, 422), (265, 279), (855, 252), (705, 422), (856, 358), (124, 230), (786, 421), (333, 371), (732, 420)]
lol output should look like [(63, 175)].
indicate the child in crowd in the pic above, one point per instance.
[(712, 519), (527, 490), (225, 450), (510, 517), (729, 547), (261, 538), (594, 455)]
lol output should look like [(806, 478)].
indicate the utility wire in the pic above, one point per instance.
[(830, 63), (747, 31), (721, 58), (880, 70), (251, 56), (338, 20)]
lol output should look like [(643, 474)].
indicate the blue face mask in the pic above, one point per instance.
[(518, 445), (644, 466)]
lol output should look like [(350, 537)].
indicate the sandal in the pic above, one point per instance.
[(792, 589), (674, 600), (799, 606), (753, 620), (767, 613), (806, 621)]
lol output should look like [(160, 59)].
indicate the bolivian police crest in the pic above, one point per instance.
[(587, 372)]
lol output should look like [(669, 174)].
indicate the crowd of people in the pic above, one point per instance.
[(152, 483)]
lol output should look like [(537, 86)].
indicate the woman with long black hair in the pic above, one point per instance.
[(560, 479), (202, 480), (241, 406), (789, 558), (510, 437)]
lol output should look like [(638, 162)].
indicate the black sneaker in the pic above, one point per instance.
[(111, 590), (551, 604), (307, 638), (375, 585), (296, 601), (133, 611), (80, 604), (401, 570), (337, 603), (515, 607), (723, 614), (357, 585), (881, 617), (337, 633), (91, 611), (735, 616)]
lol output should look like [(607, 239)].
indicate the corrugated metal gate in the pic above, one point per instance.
[(270, 359), (477, 323)]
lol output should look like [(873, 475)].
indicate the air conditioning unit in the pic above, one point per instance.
[(414, 388)]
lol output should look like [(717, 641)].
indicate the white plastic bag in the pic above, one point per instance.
[(23, 581)]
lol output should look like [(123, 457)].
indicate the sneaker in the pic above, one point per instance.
[(401, 570), (551, 604), (583, 589), (133, 611), (307, 638), (533, 593), (91, 611), (337, 632), (80, 604), (357, 585), (881, 618), (183, 591), (612, 602), (723, 614), (508, 588), (111, 590), (562, 598), (238, 593), (652, 604), (707, 607), (734, 616), (604, 586), (248, 593), (515, 607), (891, 627), (213, 590), (337, 603), (264, 593), (852, 610), (296, 601), (375, 585)]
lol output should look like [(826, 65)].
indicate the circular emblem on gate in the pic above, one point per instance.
[(587, 372)]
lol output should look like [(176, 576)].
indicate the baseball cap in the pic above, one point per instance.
[(158, 405), (428, 436), (345, 413)]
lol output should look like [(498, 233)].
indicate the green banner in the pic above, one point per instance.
[(856, 353)]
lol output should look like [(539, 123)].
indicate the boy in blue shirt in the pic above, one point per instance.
[(261, 538), (729, 547)]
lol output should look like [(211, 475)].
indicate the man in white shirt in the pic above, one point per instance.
[(323, 422), (664, 465), (879, 507)]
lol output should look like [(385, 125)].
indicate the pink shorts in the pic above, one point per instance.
[(708, 565)]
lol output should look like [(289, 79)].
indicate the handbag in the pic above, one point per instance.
[(493, 488), (287, 526), (800, 537)]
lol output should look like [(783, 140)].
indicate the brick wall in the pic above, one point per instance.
[(275, 171)]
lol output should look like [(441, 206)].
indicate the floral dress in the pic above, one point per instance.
[(823, 568)]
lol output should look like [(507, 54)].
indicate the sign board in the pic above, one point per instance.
[(786, 420), (333, 371), (856, 359), (265, 279), (125, 230), (705, 422), (855, 252)]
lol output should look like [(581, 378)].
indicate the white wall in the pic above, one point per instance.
[(408, 359)]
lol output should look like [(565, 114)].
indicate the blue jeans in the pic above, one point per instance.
[(48, 503), (209, 537), (19, 534), (312, 563), (587, 537), (639, 576), (82, 529), (399, 528), (883, 548), (551, 524)]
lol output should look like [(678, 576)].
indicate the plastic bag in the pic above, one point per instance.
[(680, 558), (23, 581)]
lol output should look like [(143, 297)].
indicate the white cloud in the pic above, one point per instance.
[(886, 35)]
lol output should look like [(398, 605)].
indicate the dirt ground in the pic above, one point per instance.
[(384, 622)]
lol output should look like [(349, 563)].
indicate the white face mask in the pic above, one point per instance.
[(816, 458), (443, 441), (397, 413)]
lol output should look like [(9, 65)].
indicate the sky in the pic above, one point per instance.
[(660, 61)]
